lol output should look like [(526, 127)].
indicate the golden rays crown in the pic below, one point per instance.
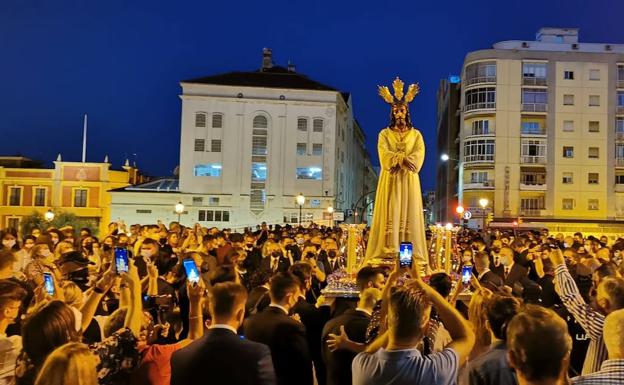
[(398, 85)]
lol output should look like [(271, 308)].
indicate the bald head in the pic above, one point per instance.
[(614, 334)]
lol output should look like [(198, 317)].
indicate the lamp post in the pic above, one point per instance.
[(483, 202), (179, 209), (49, 215), (330, 210), (300, 201)]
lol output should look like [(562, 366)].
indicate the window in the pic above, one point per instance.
[(209, 215), (594, 74), (568, 152), (217, 121), (619, 151), (200, 119), (201, 215), (619, 179), (620, 73), (40, 196), (213, 216), (15, 196), (258, 172), (80, 198), (567, 204), (198, 201), (594, 126), (310, 173), (620, 99), (568, 100), (217, 216), (480, 127), (532, 204), (593, 152), (619, 125), (532, 128), (480, 98), (594, 100), (568, 75), (482, 72), (302, 149), (532, 176), (317, 125), (568, 178), (143, 211), (476, 150), (534, 72), (302, 124), (209, 169), (215, 145), (317, 149), (260, 121), (592, 204), (592, 178), (568, 125), (533, 151), (534, 99), (478, 177), (259, 169), (200, 145), (213, 201)]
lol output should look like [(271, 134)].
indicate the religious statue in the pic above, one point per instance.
[(398, 209)]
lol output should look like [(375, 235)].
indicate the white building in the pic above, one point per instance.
[(250, 143)]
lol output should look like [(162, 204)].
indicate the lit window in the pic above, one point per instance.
[(317, 125), (594, 74), (312, 173), (258, 172), (217, 121), (568, 125), (210, 169), (593, 152), (568, 152), (200, 145), (594, 100), (592, 204), (302, 124), (215, 145), (317, 149), (567, 204), (200, 119), (568, 178), (592, 178), (594, 126), (80, 198), (568, 75), (302, 149), (568, 100)]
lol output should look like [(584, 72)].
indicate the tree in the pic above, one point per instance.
[(37, 220)]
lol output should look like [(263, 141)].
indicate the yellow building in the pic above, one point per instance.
[(542, 133), (73, 187)]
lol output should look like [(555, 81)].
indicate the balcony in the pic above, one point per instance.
[(480, 80), (534, 107), (531, 212), (619, 136), (485, 185), (480, 106), (619, 110), (620, 83), (532, 187), (619, 188), (619, 162), (532, 159), (533, 81), (479, 158), (532, 131)]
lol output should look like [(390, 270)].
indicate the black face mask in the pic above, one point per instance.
[(331, 254), (277, 254), (106, 247)]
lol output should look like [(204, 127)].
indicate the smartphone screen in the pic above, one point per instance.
[(192, 274), (466, 274), (121, 260), (405, 254), (48, 283)]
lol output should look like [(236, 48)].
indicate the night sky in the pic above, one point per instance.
[(121, 61)]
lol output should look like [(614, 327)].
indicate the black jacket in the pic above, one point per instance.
[(314, 320), (222, 357), (288, 343), (491, 281)]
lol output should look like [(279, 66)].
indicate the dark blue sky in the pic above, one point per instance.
[(120, 61)]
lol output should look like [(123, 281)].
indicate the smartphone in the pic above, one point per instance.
[(48, 283), (192, 274), (121, 260), (466, 274), (405, 255)]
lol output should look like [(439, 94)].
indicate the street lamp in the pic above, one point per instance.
[(49, 215), (179, 209), (330, 210), (300, 201), (444, 157), (483, 202)]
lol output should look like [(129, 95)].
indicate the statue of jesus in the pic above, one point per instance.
[(398, 209)]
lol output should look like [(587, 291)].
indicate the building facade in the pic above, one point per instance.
[(73, 187), (542, 132), (251, 142), (447, 131)]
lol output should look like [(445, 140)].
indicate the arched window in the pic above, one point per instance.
[(259, 169), (200, 119)]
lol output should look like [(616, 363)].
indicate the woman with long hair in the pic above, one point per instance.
[(42, 261), (477, 317), (70, 364)]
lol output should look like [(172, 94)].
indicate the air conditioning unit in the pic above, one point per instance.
[(575, 46), (525, 44), (608, 47)]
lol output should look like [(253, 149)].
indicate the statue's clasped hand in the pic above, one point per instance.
[(409, 165)]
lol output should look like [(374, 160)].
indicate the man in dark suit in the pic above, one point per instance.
[(331, 259), (512, 273), (275, 261), (353, 323), (285, 336), (221, 356), (485, 276)]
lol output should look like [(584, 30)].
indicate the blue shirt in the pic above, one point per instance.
[(409, 367)]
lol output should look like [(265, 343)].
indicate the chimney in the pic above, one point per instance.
[(291, 67), (267, 59)]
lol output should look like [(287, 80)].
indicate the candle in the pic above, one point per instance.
[(447, 252), (351, 250), (438, 245)]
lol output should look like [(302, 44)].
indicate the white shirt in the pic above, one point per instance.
[(223, 326), (279, 307)]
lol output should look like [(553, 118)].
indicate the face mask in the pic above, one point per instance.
[(146, 253), (331, 254), (300, 241), (106, 247), (8, 243)]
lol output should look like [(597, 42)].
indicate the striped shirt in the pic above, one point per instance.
[(590, 319), (611, 373)]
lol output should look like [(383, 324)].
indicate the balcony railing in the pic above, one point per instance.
[(488, 184), (534, 107), (533, 186), (619, 187), (533, 131), (532, 81), (532, 159), (531, 212), (619, 110), (481, 79), (620, 83), (479, 158), (480, 106), (619, 136), (619, 162)]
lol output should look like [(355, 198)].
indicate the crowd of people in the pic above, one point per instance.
[(539, 308)]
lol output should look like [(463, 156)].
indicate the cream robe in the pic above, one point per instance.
[(398, 210)]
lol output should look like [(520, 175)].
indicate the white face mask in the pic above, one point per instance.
[(8, 243), (146, 253)]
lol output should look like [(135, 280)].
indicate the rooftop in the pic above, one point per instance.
[(560, 40), (157, 185)]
